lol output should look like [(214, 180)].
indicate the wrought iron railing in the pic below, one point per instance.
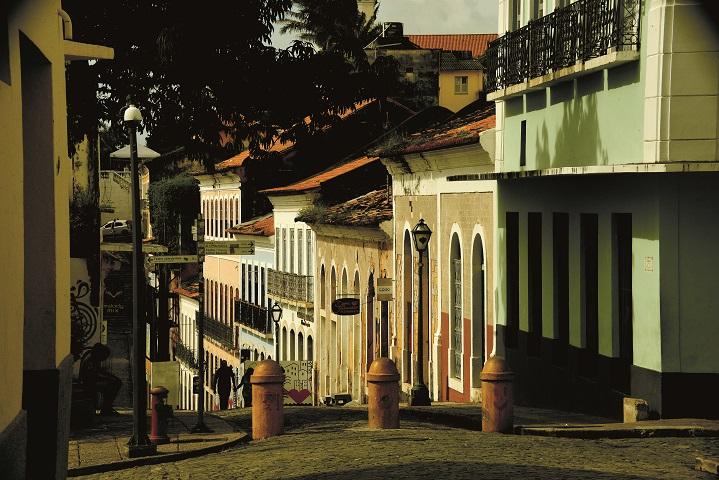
[(290, 286), (219, 332), (581, 31), (253, 316), (186, 355)]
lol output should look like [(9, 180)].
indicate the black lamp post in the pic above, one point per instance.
[(139, 444), (276, 312), (420, 394)]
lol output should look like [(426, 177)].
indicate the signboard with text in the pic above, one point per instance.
[(346, 306), (384, 289), (242, 247)]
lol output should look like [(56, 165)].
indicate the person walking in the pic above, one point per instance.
[(246, 387), (224, 383)]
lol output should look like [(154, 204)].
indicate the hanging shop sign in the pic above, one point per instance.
[(345, 306)]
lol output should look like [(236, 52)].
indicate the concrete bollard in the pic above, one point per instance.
[(635, 410), (267, 398), (383, 401), (159, 416), (497, 396)]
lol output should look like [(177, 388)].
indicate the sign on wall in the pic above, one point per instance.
[(384, 289), (346, 306), (299, 385)]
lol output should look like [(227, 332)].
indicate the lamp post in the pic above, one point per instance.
[(420, 394), (139, 444), (200, 426), (276, 312)]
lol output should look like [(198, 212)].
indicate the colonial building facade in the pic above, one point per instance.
[(606, 169)]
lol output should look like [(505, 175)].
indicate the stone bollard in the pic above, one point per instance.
[(497, 396), (635, 410), (383, 401), (267, 397), (159, 416)]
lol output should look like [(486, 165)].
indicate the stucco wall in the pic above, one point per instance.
[(454, 101)]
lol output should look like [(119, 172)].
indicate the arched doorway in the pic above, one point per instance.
[(344, 344), (456, 315), (300, 346), (479, 326), (356, 378), (332, 344)]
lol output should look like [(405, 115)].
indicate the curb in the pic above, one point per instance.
[(441, 418), (708, 465), (237, 438), (590, 433)]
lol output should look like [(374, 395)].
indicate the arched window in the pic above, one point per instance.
[(262, 356), (407, 271), (292, 345), (323, 287), (455, 307), (310, 348), (300, 346), (256, 357), (284, 343)]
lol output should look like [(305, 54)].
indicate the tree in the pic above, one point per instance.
[(174, 204)]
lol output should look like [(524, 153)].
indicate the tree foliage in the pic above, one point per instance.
[(205, 78), (174, 204)]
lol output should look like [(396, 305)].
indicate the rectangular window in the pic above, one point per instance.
[(292, 250), (300, 250), (310, 259), (512, 286), (262, 286), (243, 279), (534, 281), (284, 249), (277, 250), (523, 144), (461, 85), (589, 225), (537, 9), (257, 284), (515, 15), (560, 259)]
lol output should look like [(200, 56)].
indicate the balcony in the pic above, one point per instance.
[(253, 316), (290, 287), (582, 37), (219, 332), (185, 355)]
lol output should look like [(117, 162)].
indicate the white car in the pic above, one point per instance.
[(116, 227)]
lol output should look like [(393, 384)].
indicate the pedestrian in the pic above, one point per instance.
[(223, 383), (97, 379), (246, 387)]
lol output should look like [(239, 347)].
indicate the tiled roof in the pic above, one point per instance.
[(449, 61), (370, 209), (189, 288), (260, 226), (458, 130), (278, 146), (476, 43), (315, 181)]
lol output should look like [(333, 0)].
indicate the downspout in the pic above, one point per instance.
[(66, 24)]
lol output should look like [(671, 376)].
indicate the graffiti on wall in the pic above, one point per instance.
[(84, 316), (299, 385)]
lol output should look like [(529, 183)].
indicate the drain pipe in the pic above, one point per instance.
[(66, 24)]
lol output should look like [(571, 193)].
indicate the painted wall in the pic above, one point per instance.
[(454, 101)]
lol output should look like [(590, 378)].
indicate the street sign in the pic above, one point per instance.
[(384, 289), (196, 385), (173, 259), (241, 247), (127, 247), (345, 306)]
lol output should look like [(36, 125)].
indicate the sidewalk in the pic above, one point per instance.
[(101, 448)]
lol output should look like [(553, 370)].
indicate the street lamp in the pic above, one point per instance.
[(276, 312), (420, 394), (139, 444)]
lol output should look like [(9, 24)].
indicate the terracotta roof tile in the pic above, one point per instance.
[(315, 181), (370, 209), (189, 288), (458, 130), (260, 226), (476, 43)]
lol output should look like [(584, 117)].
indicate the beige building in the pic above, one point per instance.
[(436, 177), (36, 370)]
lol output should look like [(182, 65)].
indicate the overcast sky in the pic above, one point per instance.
[(431, 16)]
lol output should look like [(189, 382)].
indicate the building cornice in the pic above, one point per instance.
[(676, 167)]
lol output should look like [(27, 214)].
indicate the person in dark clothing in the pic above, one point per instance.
[(97, 379), (224, 383), (246, 387)]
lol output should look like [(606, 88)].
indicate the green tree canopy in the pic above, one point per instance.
[(174, 204)]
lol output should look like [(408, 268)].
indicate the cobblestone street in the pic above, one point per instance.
[(341, 446)]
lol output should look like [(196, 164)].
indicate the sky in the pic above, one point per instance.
[(431, 16)]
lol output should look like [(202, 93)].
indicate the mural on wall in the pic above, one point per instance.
[(299, 386), (117, 291), (84, 316)]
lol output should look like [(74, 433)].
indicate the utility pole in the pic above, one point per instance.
[(200, 426), (139, 444)]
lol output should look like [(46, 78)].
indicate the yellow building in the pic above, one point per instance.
[(36, 368)]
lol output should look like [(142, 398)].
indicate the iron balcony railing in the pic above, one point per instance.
[(581, 31), (290, 286), (252, 316), (186, 355), (219, 332)]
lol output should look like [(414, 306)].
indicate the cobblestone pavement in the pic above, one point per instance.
[(340, 446)]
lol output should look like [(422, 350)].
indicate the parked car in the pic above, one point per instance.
[(115, 228)]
